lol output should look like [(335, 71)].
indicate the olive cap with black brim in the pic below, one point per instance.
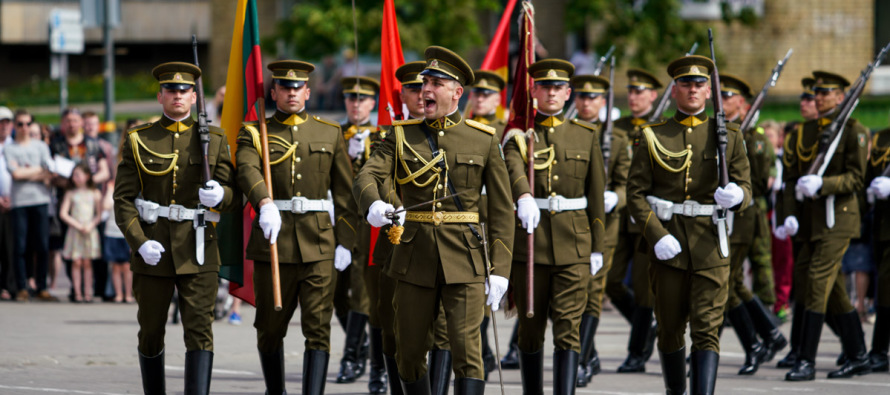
[(443, 63), (176, 75), (359, 87), (641, 79), (590, 86), (826, 81), (290, 73), (551, 72), (409, 74), (807, 84), (692, 68), (488, 82), (731, 85)]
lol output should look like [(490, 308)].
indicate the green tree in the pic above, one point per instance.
[(318, 27)]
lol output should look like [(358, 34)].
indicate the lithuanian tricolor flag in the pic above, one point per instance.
[(498, 55), (244, 85)]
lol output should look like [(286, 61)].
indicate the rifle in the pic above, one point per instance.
[(204, 136), (572, 112), (607, 130), (754, 111), (722, 142), (665, 100), (494, 321), (830, 137)]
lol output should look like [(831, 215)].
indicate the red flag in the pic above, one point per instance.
[(389, 104), (522, 111), (244, 85), (498, 55)]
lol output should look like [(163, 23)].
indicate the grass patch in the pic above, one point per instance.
[(80, 90)]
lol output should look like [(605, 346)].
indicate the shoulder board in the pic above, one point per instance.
[(217, 131), (585, 125), (140, 127), (649, 125), (733, 126), (325, 121), (407, 122), (249, 123), (483, 127)]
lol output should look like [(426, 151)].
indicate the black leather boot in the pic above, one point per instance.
[(364, 351), (831, 321), (439, 371), (377, 379), (565, 372), (489, 361), (532, 366), (198, 367), (152, 374), (468, 386), (588, 326), (355, 330), (673, 370), (754, 351), (703, 375), (419, 387), (626, 307), (796, 332), (773, 339), (639, 337), (510, 361), (805, 368), (315, 371), (853, 340), (273, 371), (392, 370), (880, 341)]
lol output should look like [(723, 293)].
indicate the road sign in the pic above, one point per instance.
[(94, 13), (65, 31)]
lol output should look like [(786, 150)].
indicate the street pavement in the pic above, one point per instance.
[(65, 348)]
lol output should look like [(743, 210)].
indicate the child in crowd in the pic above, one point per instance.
[(116, 251), (81, 210)]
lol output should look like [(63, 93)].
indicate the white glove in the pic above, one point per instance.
[(729, 196), (791, 226), (270, 221), (342, 258), (667, 248), (212, 195), (377, 214), (596, 262), (809, 185), (880, 186), (780, 233), (495, 288), (529, 213), (151, 252), (357, 144), (611, 200)]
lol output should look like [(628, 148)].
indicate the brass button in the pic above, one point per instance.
[(689, 130), (150, 160), (845, 208), (471, 161), (295, 128), (299, 159), (552, 212), (688, 146), (176, 167), (438, 204), (441, 133), (555, 177), (176, 135), (299, 194), (551, 130), (175, 185), (554, 161), (299, 176), (439, 186), (688, 180), (688, 197), (553, 194), (323, 149), (172, 201), (176, 151)]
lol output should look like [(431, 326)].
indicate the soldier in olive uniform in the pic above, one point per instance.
[(307, 158), (566, 205), (749, 227), (879, 188), (157, 203), (351, 296), (635, 306), (674, 194), (590, 91), (824, 220), (442, 155)]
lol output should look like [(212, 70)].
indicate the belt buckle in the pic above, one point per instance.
[(554, 203), (689, 208), (438, 217), (175, 212), (296, 205)]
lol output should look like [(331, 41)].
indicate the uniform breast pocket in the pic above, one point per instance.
[(577, 161), (156, 165), (467, 168), (323, 153), (196, 161)]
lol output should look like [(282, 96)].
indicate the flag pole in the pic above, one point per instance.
[(267, 178)]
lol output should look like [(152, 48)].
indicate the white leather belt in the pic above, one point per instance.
[(300, 205), (150, 211), (559, 203), (665, 209)]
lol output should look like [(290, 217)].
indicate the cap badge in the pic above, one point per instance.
[(483, 83), (357, 87), (695, 70), (291, 74), (634, 79), (819, 82), (551, 74), (177, 77), (434, 63), (588, 86)]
